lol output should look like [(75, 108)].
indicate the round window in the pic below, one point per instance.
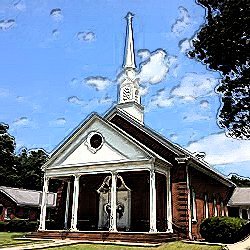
[(95, 141)]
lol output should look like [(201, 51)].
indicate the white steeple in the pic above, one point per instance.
[(129, 62), (129, 95)]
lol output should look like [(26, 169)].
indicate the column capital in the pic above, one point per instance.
[(77, 176)]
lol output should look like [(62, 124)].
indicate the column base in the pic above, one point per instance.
[(153, 230), (73, 230), (169, 231), (113, 230)]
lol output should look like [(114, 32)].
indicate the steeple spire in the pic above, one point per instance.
[(129, 59), (129, 89)]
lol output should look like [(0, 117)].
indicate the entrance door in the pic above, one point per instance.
[(123, 204)]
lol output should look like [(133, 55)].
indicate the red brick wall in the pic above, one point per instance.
[(204, 184), (179, 200)]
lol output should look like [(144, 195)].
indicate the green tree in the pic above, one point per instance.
[(28, 165), (240, 181), (21, 170), (223, 43), (7, 156)]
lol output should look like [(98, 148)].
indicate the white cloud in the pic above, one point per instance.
[(160, 100), (74, 81), (55, 33), (75, 100), (185, 45), (182, 22), (143, 54), (7, 24), (20, 5), (99, 82), (86, 36), (105, 100), (195, 85), (173, 137), (156, 67), (204, 104), (220, 149), (4, 92), (56, 14), (22, 121), (143, 90), (191, 117), (58, 122)]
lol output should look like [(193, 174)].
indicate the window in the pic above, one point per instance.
[(206, 207), (193, 205), (126, 94), (94, 141)]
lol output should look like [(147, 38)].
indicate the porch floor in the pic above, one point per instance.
[(133, 237)]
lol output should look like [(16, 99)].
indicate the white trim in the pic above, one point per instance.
[(206, 206), (189, 205), (66, 215), (152, 200), (95, 169), (222, 208), (169, 202), (113, 221), (240, 212), (75, 204), (44, 203), (215, 208), (194, 208)]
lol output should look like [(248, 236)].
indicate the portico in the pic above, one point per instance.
[(137, 209)]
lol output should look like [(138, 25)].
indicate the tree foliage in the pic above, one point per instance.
[(223, 43), (239, 181), (7, 156), (21, 170)]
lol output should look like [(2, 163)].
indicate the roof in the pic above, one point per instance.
[(165, 147), (25, 197), (240, 197)]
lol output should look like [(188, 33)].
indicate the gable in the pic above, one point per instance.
[(115, 147)]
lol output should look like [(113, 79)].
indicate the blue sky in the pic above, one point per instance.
[(60, 61)]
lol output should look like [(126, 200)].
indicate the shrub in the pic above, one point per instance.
[(20, 225), (222, 229), (16, 225), (2, 226)]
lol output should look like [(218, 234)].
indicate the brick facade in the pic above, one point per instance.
[(202, 184)]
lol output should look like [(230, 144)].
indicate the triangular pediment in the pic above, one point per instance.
[(81, 149)]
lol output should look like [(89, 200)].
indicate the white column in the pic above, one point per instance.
[(75, 204), (66, 216), (240, 213), (248, 213), (152, 200), (113, 202), (44, 203), (169, 203)]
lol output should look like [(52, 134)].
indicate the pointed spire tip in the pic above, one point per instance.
[(129, 16)]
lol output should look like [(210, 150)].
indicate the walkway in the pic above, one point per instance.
[(241, 245)]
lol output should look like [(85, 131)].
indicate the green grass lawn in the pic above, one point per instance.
[(168, 246), (7, 240)]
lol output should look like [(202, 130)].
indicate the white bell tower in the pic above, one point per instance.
[(129, 95)]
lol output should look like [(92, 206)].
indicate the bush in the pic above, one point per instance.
[(2, 226), (16, 225), (20, 225), (222, 229)]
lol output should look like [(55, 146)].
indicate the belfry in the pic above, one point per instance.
[(129, 94), (122, 181)]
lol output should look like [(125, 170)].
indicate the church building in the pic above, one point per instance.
[(122, 180)]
